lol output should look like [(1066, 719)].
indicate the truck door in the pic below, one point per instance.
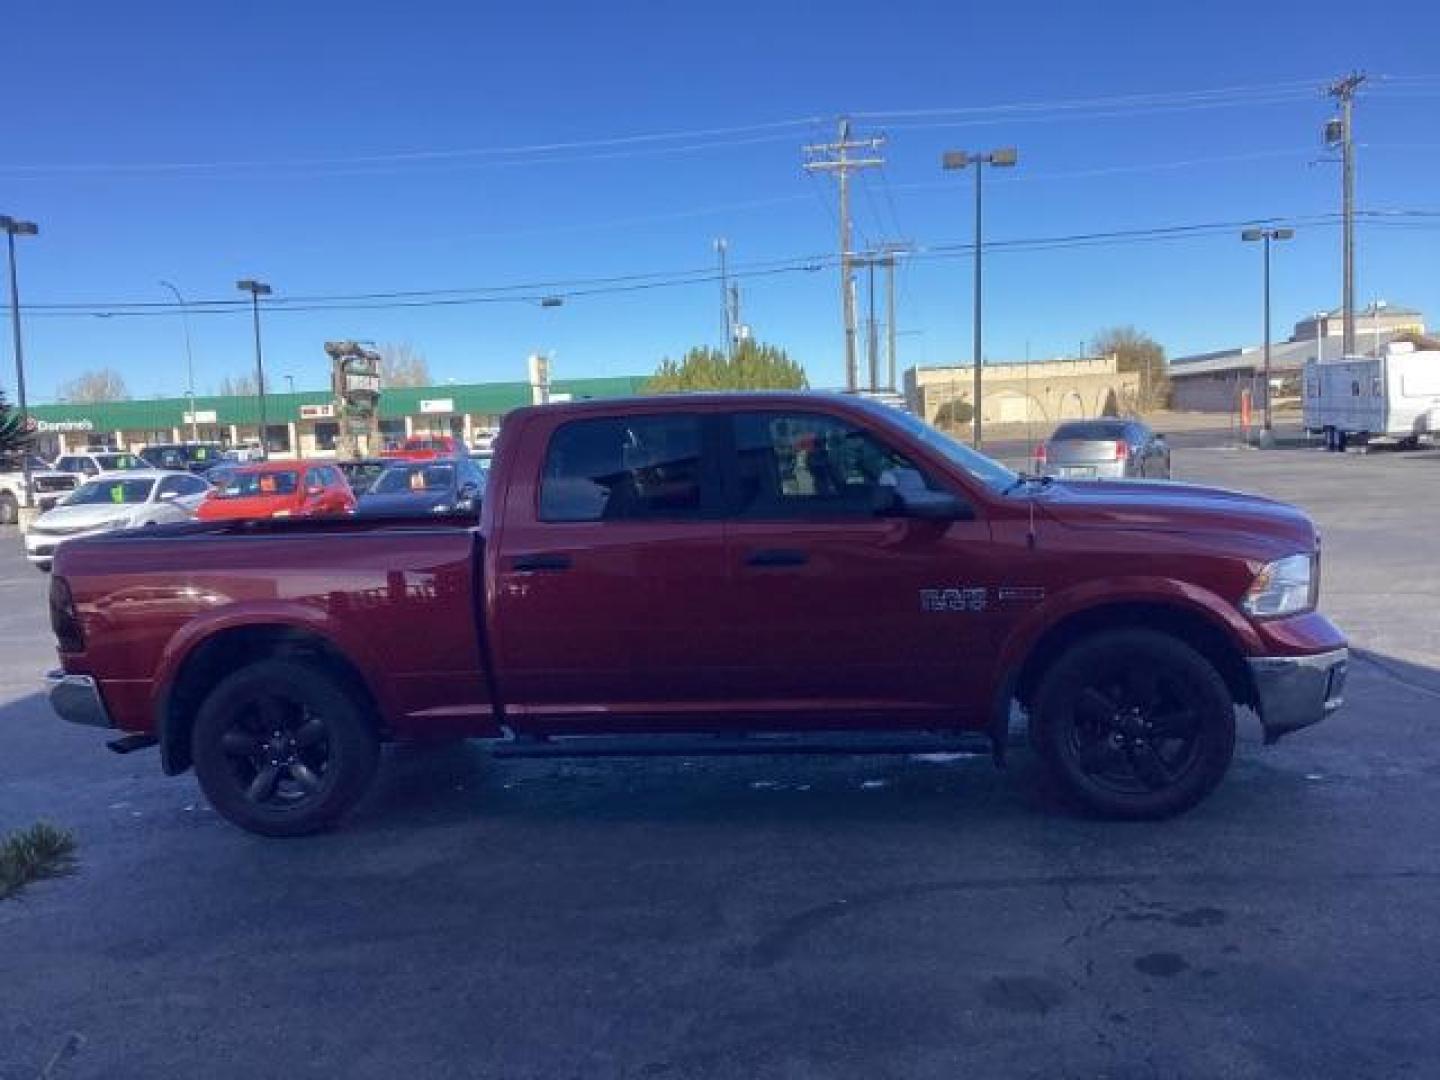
[(608, 577), (841, 616)]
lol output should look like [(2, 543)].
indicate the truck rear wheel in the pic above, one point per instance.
[(1135, 724), (282, 748)]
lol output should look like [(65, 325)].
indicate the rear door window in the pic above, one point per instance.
[(633, 468)]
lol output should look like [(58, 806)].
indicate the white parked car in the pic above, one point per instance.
[(125, 500), (90, 463)]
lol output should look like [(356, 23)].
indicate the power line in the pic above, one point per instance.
[(533, 292), (721, 137)]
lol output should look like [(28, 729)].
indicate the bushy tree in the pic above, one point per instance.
[(754, 366), (1137, 351), (106, 384)]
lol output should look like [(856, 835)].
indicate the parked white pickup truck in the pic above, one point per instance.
[(49, 487), (1391, 397)]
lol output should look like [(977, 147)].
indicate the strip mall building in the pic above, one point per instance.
[(301, 424)]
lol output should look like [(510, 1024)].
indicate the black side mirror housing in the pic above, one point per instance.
[(933, 506), (904, 494)]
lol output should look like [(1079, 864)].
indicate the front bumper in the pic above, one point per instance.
[(40, 546), (77, 698), (1297, 691)]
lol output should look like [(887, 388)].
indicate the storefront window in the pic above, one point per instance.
[(326, 433), (277, 438), (392, 433)]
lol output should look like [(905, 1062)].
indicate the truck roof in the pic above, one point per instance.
[(705, 400)]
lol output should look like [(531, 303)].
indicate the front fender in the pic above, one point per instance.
[(1087, 596)]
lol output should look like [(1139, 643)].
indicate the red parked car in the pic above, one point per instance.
[(726, 573), (427, 448), (277, 489)]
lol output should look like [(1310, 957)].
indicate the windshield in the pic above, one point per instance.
[(118, 492), (116, 462), (414, 478), (986, 470), (258, 485)]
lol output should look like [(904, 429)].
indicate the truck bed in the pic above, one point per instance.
[(395, 596)]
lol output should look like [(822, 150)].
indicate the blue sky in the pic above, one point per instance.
[(201, 143)]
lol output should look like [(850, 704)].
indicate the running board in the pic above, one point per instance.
[(830, 742)]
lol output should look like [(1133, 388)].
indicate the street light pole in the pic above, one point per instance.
[(257, 289), (959, 159), (14, 228), (1267, 430), (189, 359)]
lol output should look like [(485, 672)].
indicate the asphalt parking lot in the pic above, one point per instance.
[(767, 917)]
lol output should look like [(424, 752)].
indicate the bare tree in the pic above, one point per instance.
[(238, 386), (402, 364), (1137, 351), (105, 384)]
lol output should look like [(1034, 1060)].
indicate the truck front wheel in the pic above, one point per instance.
[(282, 748), (1135, 724)]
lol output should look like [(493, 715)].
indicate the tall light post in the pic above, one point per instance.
[(189, 358), (1005, 157), (1267, 430), (1320, 318), (257, 289), (14, 228)]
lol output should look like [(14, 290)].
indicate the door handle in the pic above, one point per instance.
[(540, 563), (776, 557)]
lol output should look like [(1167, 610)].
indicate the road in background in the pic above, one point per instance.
[(766, 917)]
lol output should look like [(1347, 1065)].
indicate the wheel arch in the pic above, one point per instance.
[(227, 650), (1196, 628)]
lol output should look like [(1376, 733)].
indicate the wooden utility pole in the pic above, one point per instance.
[(1342, 132), (835, 158)]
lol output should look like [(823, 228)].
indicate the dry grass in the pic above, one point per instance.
[(26, 855)]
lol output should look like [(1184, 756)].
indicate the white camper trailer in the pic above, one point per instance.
[(1393, 397)]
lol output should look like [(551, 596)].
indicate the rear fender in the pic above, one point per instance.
[(302, 618)]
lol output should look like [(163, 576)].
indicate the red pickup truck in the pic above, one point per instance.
[(758, 573)]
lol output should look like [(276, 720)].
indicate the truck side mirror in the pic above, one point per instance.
[(904, 493)]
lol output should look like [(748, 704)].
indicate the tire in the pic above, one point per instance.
[(1134, 724), (9, 509), (43, 567), (302, 783)]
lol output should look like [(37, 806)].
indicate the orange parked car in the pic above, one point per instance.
[(279, 489)]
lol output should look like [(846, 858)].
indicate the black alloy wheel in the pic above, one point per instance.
[(1134, 723), (283, 747)]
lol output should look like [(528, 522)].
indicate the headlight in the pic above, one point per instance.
[(1286, 586)]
